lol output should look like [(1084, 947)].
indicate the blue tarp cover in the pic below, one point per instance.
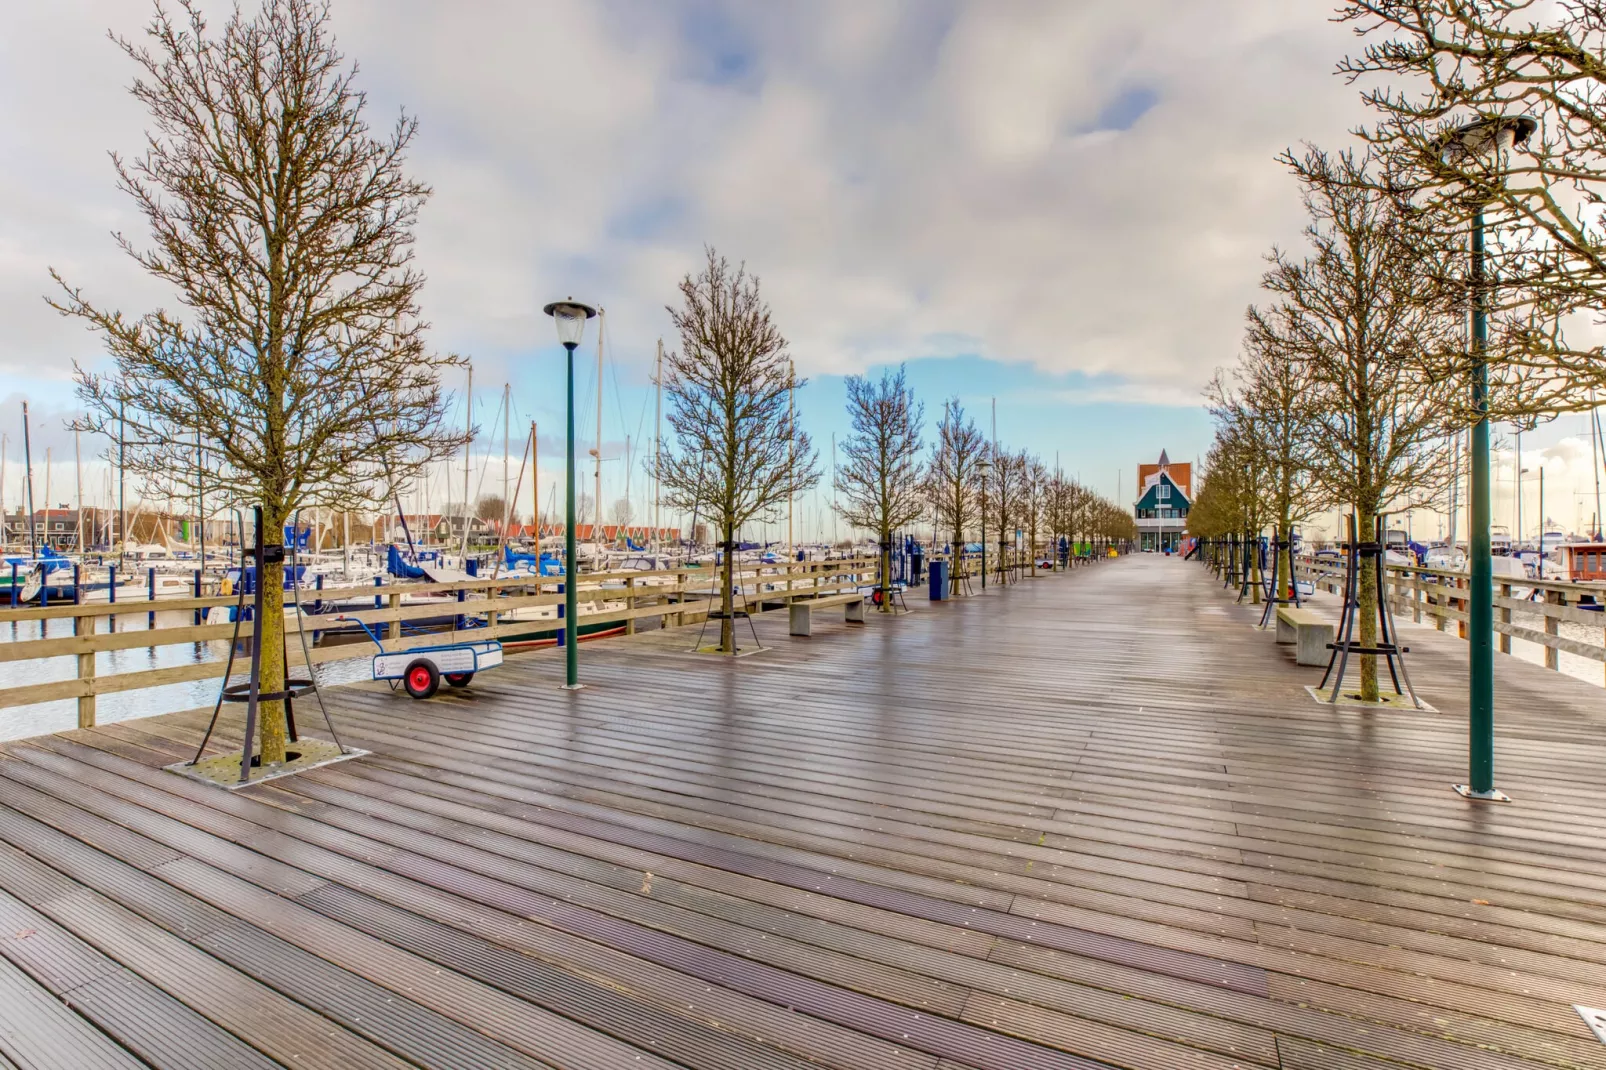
[(397, 567)]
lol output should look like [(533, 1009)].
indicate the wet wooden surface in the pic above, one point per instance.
[(1092, 820)]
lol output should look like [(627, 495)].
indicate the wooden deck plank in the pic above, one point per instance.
[(40, 1032), (1090, 820), (127, 1008)]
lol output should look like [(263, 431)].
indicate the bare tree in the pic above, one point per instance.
[(1079, 517), (491, 509), (1267, 404), (1213, 514), (1007, 484), (1036, 500), (1445, 62), (736, 451), (284, 229), (879, 481), (1058, 503), (624, 514), (1358, 309), (1238, 498), (953, 477)]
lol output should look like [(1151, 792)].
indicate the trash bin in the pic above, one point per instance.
[(938, 572)]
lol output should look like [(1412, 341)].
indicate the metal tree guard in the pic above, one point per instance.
[(1388, 645), (1280, 548)]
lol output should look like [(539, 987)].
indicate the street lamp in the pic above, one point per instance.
[(1487, 141), (570, 318)]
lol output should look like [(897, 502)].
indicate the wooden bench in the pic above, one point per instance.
[(801, 610), (1309, 633)]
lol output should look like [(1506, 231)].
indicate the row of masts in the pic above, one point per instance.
[(37, 538), (509, 491), (1459, 458)]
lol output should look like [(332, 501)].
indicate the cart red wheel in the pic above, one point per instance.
[(421, 679), (458, 679)]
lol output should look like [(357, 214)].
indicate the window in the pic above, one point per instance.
[(1163, 492)]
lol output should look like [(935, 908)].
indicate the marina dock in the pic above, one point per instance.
[(1091, 819)]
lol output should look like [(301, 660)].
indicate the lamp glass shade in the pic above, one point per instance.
[(570, 318)]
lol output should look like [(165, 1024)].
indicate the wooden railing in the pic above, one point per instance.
[(1440, 596), (679, 596)]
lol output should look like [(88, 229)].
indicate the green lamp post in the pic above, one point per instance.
[(1484, 144), (984, 466), (570, 317)]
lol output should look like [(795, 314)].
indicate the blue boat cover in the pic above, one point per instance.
[(397, 567)]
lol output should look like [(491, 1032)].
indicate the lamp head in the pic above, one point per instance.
[(570, 317)]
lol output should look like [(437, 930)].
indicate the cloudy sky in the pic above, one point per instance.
[(1057, 204)]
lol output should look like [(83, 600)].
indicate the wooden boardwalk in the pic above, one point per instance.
[(1089, 821)]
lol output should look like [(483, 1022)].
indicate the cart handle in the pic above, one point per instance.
[(365, 630)]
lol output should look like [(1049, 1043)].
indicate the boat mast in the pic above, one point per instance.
[(27, 463), (507, 490), (122, 483), (78, 492), (596, 521), (1594, 457), (791, 449), (47, 495), (468, 427), (1518, 547), (1455, 484), (535, 491), (1541, 519), (4, 528), (200, 498), (834, 532), (657, 445)]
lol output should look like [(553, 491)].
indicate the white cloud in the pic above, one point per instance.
[(908, 177)]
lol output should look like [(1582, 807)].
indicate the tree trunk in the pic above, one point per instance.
[(727, 601), (1257, 574), (886, 572), (1367, 608), (953, 562), (269, 634), (1283, 573)]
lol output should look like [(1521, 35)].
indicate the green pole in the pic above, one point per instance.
[(1480, 611), (984, 530), (571, 570)]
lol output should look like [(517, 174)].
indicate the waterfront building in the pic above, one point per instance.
[(1165, 494)]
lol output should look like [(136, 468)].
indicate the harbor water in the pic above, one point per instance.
[(33, 720)]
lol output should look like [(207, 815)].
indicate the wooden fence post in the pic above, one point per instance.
[(84, 626), (630, 604), (1553, 627), (1505, 618), (393, 630)]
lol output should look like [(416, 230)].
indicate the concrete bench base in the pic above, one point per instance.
[(1308, 633), (800, 615)]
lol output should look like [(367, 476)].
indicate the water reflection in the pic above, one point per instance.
[(40, 718)]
